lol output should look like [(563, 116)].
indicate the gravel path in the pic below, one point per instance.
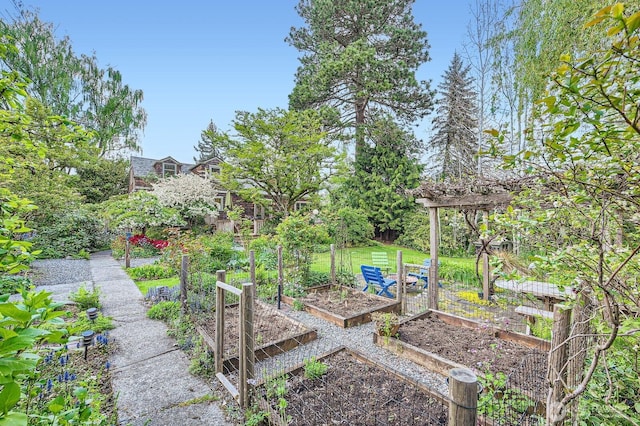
[(360, 338), (59, 271)]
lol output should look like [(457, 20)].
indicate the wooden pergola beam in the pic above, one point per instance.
[(468, 201)]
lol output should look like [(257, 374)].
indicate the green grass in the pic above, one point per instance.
[(146, 285), (362, 256)]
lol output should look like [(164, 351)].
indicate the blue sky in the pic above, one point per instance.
[(198, 61)]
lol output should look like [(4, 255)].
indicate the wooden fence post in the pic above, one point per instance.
[(222, 277), (247, 358), (400, 288), (463, 397), (333, 263), (280, 274), (127, 253), (557, 369), (184, 273), (252, 271), (433, 252), (486, 269)]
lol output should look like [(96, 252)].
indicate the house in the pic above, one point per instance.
[(144, 171)]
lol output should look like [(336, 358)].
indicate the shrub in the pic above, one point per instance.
[(70, 233), (316, 278), (11, 284), (86, 299), (151, 272), (165, 311), (348, 226)]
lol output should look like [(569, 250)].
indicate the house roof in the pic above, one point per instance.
[(144, 166)]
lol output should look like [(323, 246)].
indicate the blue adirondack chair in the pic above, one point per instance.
[(423, 274), (373, 276)]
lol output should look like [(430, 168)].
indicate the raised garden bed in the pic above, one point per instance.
[(353, 391), (440, 342), (274, 333), (343, 306)]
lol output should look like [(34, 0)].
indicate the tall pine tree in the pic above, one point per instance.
[(208, 146), (361, 58), (454, 143)]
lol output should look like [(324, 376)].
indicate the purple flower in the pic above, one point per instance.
[(107, 365), (49, 385)]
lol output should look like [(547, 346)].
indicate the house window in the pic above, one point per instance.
[(301, 205), (169, 169), (214, 170), (258, 211), (219, 200)]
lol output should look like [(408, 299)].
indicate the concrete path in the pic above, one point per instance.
[(150, 374)]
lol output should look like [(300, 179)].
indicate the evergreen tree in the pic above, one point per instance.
[(361, 58), (208, 146), (455, 124), (385, 170)]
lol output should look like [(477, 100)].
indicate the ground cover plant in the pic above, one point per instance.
[(47, 377)]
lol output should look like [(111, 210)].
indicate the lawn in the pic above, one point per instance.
[(144, 286), (350, 259)]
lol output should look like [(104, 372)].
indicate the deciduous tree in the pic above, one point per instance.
[(582, 213), (277, 158), (75, 86), (193, 196)]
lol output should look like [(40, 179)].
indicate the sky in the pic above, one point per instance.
[(198, 61)]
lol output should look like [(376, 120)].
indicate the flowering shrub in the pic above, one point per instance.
[(144, 241)]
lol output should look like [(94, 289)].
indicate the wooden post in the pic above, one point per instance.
[(486, 276), (333, 264), (463, 397), (582, 312), (127, 253), (184, 273), (400, 277), (222, 277), (247, 338), (433, 251), (252, 272), (557, 369), (280, 274)]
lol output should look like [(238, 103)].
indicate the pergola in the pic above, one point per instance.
[(477, 195)]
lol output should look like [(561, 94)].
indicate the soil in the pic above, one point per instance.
[(270, 326), (480, 351), (344, 301), (357, 393)]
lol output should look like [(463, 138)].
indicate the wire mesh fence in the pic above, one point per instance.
[(305, 369)]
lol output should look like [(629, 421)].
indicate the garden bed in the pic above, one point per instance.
[(353, 391), (440, 342), (343, 306), (274, 333)]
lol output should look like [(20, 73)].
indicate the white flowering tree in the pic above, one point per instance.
[(138, 211), (193, 196)]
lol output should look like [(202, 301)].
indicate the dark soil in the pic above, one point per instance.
[(353, 392), (344, 301), (481, 351), (270, 326)]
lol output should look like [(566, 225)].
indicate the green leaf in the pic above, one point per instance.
[(10, 310), (9, 396), (14, 419)]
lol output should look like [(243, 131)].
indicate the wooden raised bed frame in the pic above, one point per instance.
[(269, 349), (387, 305), (297, 369), (441, 365)]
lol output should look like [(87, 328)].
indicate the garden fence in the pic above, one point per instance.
[(303, 370)]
